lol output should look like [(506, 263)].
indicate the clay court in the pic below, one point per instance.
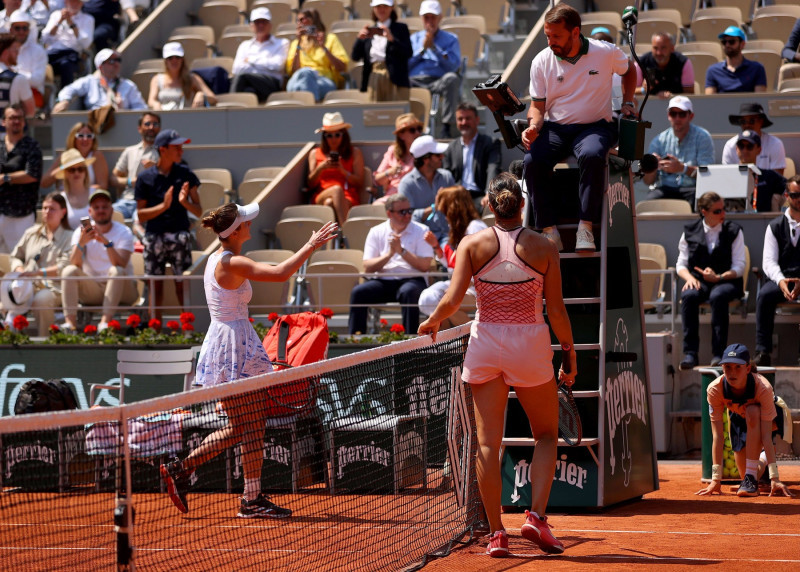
[(671, 528)]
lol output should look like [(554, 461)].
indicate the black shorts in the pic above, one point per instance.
[(174, 248)]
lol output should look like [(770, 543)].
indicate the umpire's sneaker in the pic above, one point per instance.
[(262, 507), (178, 481), (748, 488), (537, 530)]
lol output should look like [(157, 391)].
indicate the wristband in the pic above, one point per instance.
[(685, 168), (566, 347), (631, 103), (44, 272), (82, 249), (773, 471), (716, 472)]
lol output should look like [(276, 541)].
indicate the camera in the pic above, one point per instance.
[(86, 222), (311, 30), (334, 156), (375, 30), (502, 101)]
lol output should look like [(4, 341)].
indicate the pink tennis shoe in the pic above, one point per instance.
[(498, 545), (537, 530)]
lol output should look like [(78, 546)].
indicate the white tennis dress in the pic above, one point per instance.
[(231, 349)]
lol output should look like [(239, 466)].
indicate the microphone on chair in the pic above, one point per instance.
[(630, 16)]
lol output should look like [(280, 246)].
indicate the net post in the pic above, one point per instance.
[(123, 509)]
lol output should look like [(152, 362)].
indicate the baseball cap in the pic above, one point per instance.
[(260, 13), (99, 193), (19, 17), (750, 136), (169, 137), (103, 55), (430, 7), (681, 102), (736, 353), (172, 49), (733, 32), (426, 144), (600, 30), (374, 3)]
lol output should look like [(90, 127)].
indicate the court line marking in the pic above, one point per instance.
[(687, 533), (687, 559)]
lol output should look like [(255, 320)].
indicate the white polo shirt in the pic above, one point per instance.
[(412, 239), (772, 156), (578, 92)]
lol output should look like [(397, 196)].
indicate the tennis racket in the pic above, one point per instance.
[(569, 420)]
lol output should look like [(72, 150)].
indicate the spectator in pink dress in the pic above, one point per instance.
[(398, 161)]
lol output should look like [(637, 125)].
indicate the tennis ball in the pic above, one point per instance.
[(730, 463)]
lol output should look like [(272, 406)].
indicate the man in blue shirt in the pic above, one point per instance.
[(735, 73), (434, 63), (680, 150)]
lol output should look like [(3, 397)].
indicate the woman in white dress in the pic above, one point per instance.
[(231, 351)]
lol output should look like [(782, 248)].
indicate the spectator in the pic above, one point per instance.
[(21, 169), (791, 51), (43, 251), (14, 87), (752, 417), (781, 264), (74, 170), (134, 160), (316, 59), (32, 59), (83, 138), (103, 87), (165, 195), (711, 258), (106, 22), (564, 119), (397, 162), (384, 48), (735, 73), (101, 251), (39, 11), (680, 150), (769, 184), (10, 7), (421, 185), (671, 72), (392, 249), (68, 33), (435, 62), (457, 206), (751, 116), (335, 168), (177, 87), (473, 158), (260, 62)]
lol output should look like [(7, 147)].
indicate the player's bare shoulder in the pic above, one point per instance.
[(534, 247)]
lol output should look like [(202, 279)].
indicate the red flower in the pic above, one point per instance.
[(187, 327), (90, 329), (397, 329), (326, 313), (114, 325), (133, 321), (273, 317), (186, 318), (173, 325), (54, 329), (20, 322), (155, 324), (252, 321), (384, 322)]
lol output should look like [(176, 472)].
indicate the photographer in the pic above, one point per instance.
[(316, 59)]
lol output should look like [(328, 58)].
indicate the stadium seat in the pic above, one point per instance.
[(321, 213), (261, 173), (347, 39), (367, 210), (348, 25), (248, 191), (360, 10), (234, 29), (769, 59), (611, 20), (287, 31), (338, 96), (142, 80), (787, 72), (355, 229), (409, 7), (224, 62), (617, 6), (790, 85), (204, 237), (498, 14), (270, 297), (193, 46), (788, 172), (220, 13), (420, 103), (745, 7), (217, 175), (701, 62), (329, 10), (471, 21), (713, 48), (211, 194), (652, 21), (767, 45), (290, 98), (684, 7), (229, 43), (652, 257), (150, 64), (474, 46), (237, 100), (774, 26), (414, 22), (327, 291), (281, 11), (205, 32), (354, 75), (708, 23), (663, 206)]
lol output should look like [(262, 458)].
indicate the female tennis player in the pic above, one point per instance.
[(513, 269), (231, 351)]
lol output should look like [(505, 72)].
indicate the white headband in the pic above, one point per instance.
[(244, 213)]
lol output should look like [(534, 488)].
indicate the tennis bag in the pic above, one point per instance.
[(37, 396), (294, 340)]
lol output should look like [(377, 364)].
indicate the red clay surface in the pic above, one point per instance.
[(670, 528)]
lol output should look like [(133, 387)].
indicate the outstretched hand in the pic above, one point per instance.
[(779, 489), (328, 232), (713, 487)]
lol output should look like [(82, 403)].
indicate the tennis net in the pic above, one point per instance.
[(372, 452)]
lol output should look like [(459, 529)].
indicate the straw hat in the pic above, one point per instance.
[(16, 295), (333, 122), (71, 158), (406, 120)]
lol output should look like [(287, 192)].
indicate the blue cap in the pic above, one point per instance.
[(600, 30), (736, 353), (733, 32), (169, 137)]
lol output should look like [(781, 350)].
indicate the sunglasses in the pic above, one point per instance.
[(411, 130), (84, 136), (406, 212), (794, 195), (72, 170), (729, 41), (678, 113), (20, 28), (333, 135), (744, 145), (151, 124)]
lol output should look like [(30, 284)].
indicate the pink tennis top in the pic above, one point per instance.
[(509, 290)]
